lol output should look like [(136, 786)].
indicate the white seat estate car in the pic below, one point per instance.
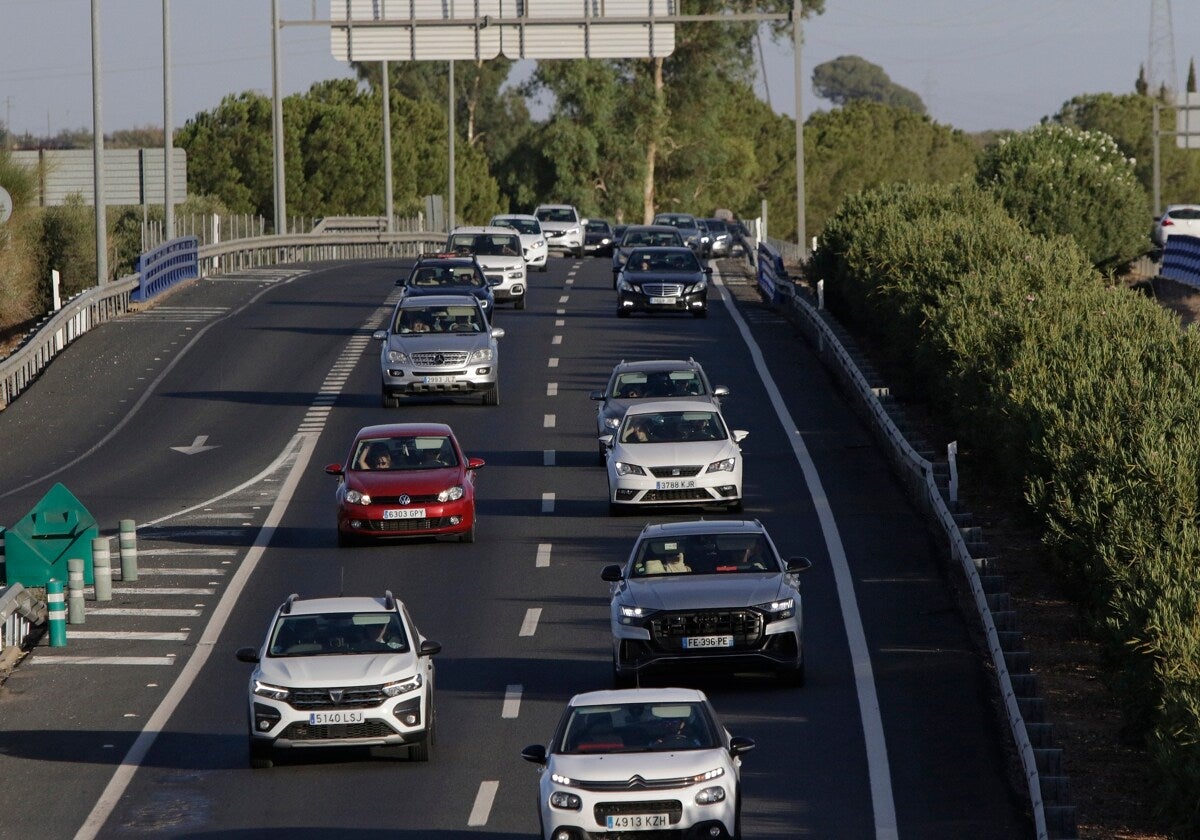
[(341, 672), (674, 452), (649, 762), (499, 251), (564, 227)]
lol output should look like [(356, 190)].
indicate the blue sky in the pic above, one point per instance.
[(977, 64)]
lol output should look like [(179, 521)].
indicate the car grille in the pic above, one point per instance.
[(668, 630), (555, 234), (662, 289), (696, 494), (410, 500), (674, 472), (444, 358), (359, 697), (391, 526), (337, 731), (636, 783), (498, 276), (672, 807)]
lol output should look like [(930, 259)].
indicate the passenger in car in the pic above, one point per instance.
[(676, 563), (636, 432)]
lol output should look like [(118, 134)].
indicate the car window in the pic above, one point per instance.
[(703, 554), (637, 385), (338, 634), (404, 453), (638, 727), (1188, 213), (555, 215), (527, 226), (672, 427), (496, 244)]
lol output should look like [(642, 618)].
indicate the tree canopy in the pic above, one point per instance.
[(849, 78)]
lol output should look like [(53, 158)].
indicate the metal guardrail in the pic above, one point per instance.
[(20, 612), (1181, 259), (917, 473)]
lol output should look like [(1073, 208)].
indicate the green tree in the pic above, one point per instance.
[(1061, 181), (849, 77)]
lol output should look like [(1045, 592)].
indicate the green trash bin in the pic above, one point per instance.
[(38, 547)]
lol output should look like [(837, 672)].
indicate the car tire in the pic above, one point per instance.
[(420, 751), (262, 756), (544, 267), (345, 540), (389, 401), (579, 253), (468, 536), (520, 304), (735, 507), (602, 455), (737, 818), (793, 677), (700, 313), (622, 312), (620, 680), (615, 509), (492, 395)]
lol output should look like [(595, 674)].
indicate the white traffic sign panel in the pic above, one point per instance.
[(6, 205)]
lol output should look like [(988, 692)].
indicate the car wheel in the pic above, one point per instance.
[(420, 750), (520, 304), (346, 540), (622, 312), (602, 455), (544, 267), (735, 507), (615, 509), (262, 757), (468, 536), (492, 395), (390, 401), (700, 313), (737, 818), (793, 677), (620, 680), (579, 253)]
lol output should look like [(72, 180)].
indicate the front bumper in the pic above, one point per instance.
[(636, 300), (394, 722), (563, 242), (510, 291), (418, 380), (700, 489), (657, 641), (686, 818), (441, 518)]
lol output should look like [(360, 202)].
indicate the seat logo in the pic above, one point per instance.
[(336, 694)]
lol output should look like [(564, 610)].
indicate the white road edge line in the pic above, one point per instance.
[(529, 625), (108, 799), (482, 808), (512, 702), (878, 771)]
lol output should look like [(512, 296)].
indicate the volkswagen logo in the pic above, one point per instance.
[(404, 499), (336, 694)]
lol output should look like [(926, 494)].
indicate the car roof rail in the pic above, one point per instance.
[(389, 600), (287, 605)]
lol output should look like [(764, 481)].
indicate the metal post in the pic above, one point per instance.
[(277, 123), (57, 609), (820, 294), (1154, 139), (129, 552), (98, 152), (75, 591), (387, 144), (168, 192), (952, 459), (102, 568), (797, 36), (450, 216)]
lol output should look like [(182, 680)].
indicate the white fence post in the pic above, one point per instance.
[(952, 458)]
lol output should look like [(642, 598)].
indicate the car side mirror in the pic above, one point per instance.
[(380, 335), (708, 270), (495, 281), (334, 469), (607, 440), (740, 435), (583, 222), (535, 753), (798, 564), (740, 746), (596, 395), (247, 654), (497, 332), (429, 648), (720, 391), (611, 573), (474, 463)]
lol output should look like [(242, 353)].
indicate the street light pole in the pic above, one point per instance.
[(277, 124), (797, 37), (98, 152), (168, 129)]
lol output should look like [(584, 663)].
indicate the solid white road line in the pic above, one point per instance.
[(529, 625), (512, 702), (158, 590), (147, 611), (878, 771), (126, 635), (182, 571), (482, 808), (101, 660), (543, 555)]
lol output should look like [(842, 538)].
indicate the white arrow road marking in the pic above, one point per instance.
[(198, 445)]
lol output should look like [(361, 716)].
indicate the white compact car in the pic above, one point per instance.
[(563, 226), (653, 760), (339, 672), (499, 251), (674, 452), (708, 594), (533, 238)]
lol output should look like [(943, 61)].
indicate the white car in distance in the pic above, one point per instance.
[(533, 238), (674, 452)]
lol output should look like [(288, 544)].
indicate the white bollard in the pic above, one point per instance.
[(102, 568), (75, 591), (128, 547)]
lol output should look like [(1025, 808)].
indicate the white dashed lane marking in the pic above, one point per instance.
[(547, 457), (543, 554), (529, 625), (551, 389), (482, 808), (548, 421), (512, 702), (547, 503)]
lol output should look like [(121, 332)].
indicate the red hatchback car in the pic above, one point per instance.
[(405, 480)]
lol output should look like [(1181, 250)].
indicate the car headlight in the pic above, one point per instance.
[(516, 274), (452, 494), (354, 497), (540, 243), (624, 285), (273, 692), (778, 609), (397, 357), (632, 615), (698, 287), (565, 801), (483, 354), (612, 422), (724, 465), (573, 232), (560, 779), (710, 796), (623, 468), (395, 689)]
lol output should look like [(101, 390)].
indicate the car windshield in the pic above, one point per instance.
[(414, 452), (637, 385), (598, 226), (1189, 213), (676, 221), (527, 226), (681, 261), (638, 727), (703, 554), (430, 320), (440, 276), (672, 427), (338, 634), (651, 237), (486, 244), (563, 214)]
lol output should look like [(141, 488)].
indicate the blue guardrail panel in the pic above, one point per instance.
[(168, 264)]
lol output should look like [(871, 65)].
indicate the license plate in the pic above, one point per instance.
[(437, 380), (675, 484), (326, 718), (663, 301), (707, 641), (636, 822), (405, 513)]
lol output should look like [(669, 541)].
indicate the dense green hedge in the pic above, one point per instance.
[(1088, 397)]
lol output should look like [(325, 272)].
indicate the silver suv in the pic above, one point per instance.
[(337, 672), (707, 593), (563, 226), (439, 344)]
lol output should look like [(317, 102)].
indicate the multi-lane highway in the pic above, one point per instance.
[(209, 419)]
